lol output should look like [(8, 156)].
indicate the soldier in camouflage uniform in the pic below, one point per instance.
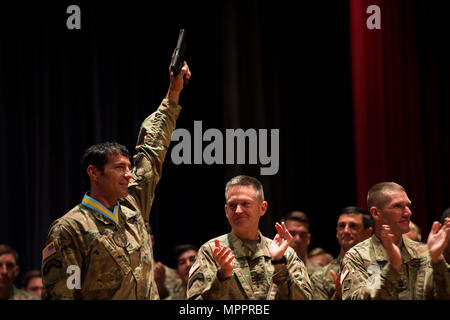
[(9, 270), (354, 225), (185, 255), (390, 266), (244, 264), (105, 236), (298, 225)]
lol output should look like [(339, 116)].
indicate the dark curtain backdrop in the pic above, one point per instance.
[(256, 64), (400, 77)]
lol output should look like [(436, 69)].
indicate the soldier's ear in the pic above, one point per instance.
[(92, 172), (263, 208), (374, 212)]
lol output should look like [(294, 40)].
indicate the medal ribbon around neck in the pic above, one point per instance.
[(97, 206)]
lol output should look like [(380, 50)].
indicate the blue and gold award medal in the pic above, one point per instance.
[(120, 238)]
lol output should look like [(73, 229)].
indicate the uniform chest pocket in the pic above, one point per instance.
[(107, 265)]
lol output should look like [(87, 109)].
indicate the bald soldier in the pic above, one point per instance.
[(244, 264), (389, 265), (101, 248), (354, 225)]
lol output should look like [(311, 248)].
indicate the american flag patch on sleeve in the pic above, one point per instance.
[(344, 273), (194, 267), (48, 250)]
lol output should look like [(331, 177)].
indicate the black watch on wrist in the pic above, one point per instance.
[(278, 261)]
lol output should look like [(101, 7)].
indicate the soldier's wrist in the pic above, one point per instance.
[(436, 259), (223, 276)]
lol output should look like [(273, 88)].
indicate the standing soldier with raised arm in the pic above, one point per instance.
[(244, 264), (105, 237)]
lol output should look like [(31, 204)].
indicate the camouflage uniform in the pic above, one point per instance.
[(21, 295), (323, 283), (312, 267), (417, 279), (84, 237), (253, 274), (173, 285), (175, 288)]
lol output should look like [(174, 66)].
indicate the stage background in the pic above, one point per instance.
[(354, 107)]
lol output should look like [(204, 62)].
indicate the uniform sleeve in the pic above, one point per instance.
[(60, 253), (441, 280), (152, 145), (292, 280), (358, 284), (203, 281)]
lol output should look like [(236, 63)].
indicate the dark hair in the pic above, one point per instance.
[(246, 181), (298, 216), (377, 196), (180, 249), (366, 217), (445, 214), (4, 249), (98, 154), (30, 275)]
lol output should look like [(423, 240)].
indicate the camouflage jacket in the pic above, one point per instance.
[(253, 274), (18, 294), (173, 285), (367, 273), (322, 281), (175, 289), (84, 237)]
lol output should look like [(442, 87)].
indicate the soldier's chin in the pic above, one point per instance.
[(123, 194)]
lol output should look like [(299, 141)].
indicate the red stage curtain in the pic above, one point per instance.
[(387, 111)]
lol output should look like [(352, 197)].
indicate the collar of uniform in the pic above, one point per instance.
[(127, 212), (100, 211), (381, 255), (239, 249), (410, 247)]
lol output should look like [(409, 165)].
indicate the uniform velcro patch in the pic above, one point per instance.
[(48, 250)]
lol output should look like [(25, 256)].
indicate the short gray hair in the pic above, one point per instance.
[(246, 181)]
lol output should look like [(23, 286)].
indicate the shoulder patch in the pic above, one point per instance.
[(48, 250), (344, 273), (194, 267)]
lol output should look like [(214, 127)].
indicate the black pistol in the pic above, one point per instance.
[(178, 57)]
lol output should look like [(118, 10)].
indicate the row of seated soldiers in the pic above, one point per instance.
[(354, 225)]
